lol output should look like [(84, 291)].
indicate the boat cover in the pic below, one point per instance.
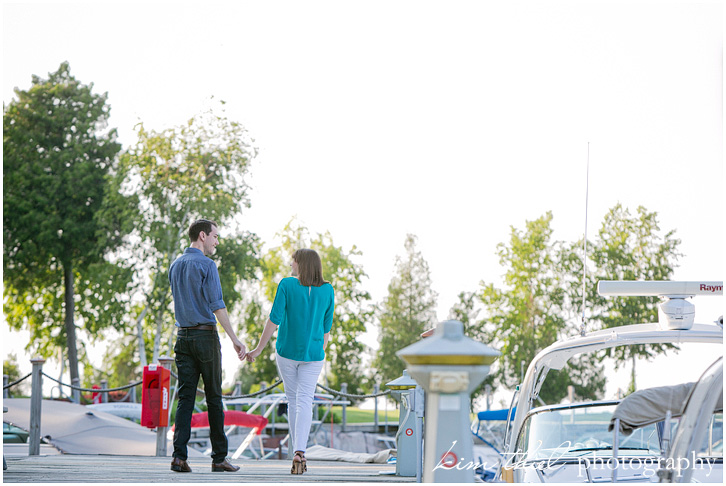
[(648, 406), (75, 429), (320, 453), (496, 414)]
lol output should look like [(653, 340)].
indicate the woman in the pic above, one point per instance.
[(303, 312)]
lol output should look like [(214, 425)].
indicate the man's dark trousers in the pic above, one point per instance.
[(198, 353)]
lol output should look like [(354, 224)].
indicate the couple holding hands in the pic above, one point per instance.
[(302, 313)]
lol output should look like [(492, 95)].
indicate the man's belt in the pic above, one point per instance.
[(202, 327)]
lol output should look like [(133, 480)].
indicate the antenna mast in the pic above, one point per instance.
[(584, 255)]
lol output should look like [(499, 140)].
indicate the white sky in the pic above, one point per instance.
[(449, 120)]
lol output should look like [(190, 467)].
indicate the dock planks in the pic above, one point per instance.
[(61, 468)]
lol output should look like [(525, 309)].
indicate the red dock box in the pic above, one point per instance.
[(155, 396)]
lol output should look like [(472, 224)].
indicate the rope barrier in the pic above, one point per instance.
[(233, 397), (5, 387), (351, 395), (199, 390), (94, 390), (260, 392)]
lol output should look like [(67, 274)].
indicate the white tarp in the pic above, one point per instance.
[(320, 453), (76, 429)]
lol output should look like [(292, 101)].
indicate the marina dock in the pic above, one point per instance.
[(73, 468)]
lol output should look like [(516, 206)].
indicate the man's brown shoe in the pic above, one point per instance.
[(180, 465), (224, 466)]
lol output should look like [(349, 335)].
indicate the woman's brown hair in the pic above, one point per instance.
[(309, 267)]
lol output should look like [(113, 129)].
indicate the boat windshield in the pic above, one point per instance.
[(712, 446), (569, 433)]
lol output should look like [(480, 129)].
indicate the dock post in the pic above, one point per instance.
[(36, 404), (76, 394), (344, 390), (376, 389), (237, 391), (449, 366), (104, 394), (263, 408), (161, 439)]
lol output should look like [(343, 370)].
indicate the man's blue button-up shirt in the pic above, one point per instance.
[(196, 289)]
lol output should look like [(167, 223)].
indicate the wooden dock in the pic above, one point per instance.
[(71, 468)]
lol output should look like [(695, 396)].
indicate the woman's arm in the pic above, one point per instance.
[(264, 339)]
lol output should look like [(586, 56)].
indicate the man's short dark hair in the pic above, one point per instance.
[(198, 226)]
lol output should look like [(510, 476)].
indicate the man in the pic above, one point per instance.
[(197, 294)]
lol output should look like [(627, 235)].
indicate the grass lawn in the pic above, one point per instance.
[(355, 415)]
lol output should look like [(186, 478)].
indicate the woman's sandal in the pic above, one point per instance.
[(299, 464)]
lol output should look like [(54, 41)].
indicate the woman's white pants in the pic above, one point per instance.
[(300, 379)]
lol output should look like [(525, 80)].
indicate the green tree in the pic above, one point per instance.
[(465, 310), (12, 370), (630, 247), (57, 156), (352, 310), (191, 171), (408, 309), (531, 313)]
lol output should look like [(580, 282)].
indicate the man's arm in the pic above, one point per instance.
[(223, 319)]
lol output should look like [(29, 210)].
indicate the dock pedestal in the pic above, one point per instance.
[(449, 366)]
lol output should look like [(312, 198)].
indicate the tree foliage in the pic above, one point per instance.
[(12, 370), (542, 300), (352, 313), (530, 313), (408, 309), (195, 170), (630, 247), (58, 154)]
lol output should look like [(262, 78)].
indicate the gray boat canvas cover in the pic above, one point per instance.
[(75, 429), (645, 407)]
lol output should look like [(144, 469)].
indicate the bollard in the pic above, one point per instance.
[(263, 408), (76, 394), (36, 403), (343, 418), (408, 437), (132, 394), (104, 394), (385, 415), (6, 380), (449, 366), (238, 391), (376, 389), (161, 440)]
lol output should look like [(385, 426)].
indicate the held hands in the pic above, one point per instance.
[(240, 348), (253, 354)]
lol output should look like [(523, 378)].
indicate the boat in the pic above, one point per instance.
[(575, 442), (488, 433), (696, 454)]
